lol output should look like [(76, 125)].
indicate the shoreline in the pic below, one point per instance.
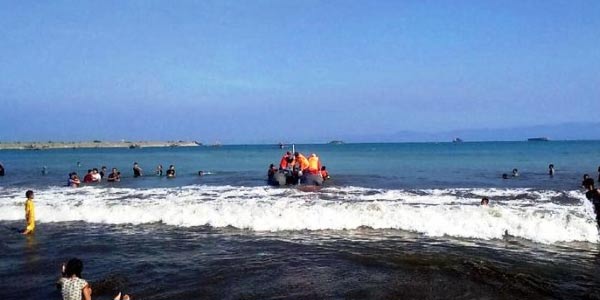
[(94, 144)]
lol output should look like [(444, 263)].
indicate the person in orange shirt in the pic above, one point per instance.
[(287, 161), (324, 173), (314, 164), (301, 161)]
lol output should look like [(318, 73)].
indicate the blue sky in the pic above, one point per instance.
[(294, 71)]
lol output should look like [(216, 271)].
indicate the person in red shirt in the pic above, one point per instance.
[(88, 177), (324, 173)]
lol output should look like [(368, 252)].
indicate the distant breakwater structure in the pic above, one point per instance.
[(94, 144)]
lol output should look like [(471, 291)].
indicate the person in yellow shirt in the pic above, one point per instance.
[(29, 213)]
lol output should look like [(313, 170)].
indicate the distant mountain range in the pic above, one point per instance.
[(563, 131)]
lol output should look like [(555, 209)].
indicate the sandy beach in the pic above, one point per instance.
[(94, 144)]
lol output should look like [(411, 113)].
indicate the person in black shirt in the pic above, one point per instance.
[(587, 181), (114, 176), (593, 195), (2, 169), (171, 171), (137, 171)]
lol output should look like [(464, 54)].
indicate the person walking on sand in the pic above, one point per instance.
[(29, 213), (72, 286)]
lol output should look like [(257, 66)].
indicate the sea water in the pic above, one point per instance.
[(395, 221)]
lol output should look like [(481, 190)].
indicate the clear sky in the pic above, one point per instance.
[(293, 71)]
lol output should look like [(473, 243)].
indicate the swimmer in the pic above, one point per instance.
[(2, 169), (171, 171), (504, 176), (114, 176), (200, 173), (593, 195), (271, 172), (73, 180), (159, 170), (515, 173), (485, 201), (96, 177), (44, 170), (88, 177), (587, 181), (137, 171), (551, 170)]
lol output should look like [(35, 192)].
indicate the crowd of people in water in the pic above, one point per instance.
[(96, 175)]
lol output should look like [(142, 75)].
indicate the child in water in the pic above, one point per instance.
[(29, 213), (72, 286), (485, 201)]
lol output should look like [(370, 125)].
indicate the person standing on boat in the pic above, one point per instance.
[(301, 161), (314, 165), (287, 161)]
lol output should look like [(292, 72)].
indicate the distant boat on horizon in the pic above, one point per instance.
[(538, 139), (336, 142), (457, 140)]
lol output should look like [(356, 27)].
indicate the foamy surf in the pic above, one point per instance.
[(540, 216)]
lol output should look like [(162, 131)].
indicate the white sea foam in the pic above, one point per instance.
[(532, 215)]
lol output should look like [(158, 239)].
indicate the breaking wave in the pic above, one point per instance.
[(540, 216)]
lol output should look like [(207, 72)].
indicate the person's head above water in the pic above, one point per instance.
[(504, 176), (74, 267), (485, 201), (551, 166)]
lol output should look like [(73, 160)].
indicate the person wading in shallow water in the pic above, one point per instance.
[(29, 213), (137, 171), (593, 195)]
